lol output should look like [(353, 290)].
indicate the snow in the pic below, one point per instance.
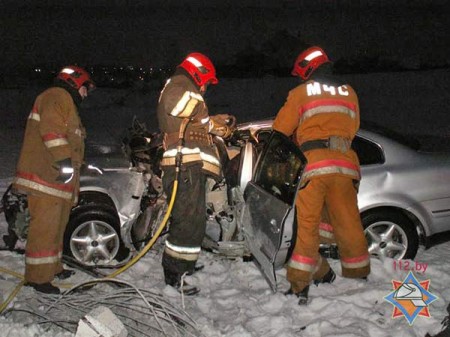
[(235, 300)]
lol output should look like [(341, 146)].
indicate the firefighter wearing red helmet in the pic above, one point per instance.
[(181, 107), (322, 115), (48, 173)]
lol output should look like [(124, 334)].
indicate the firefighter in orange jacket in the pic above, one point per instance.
[(181, 106), (322, 115), (48, 172)]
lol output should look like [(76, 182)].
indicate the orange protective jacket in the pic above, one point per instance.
[(53, 132), (317, 111)]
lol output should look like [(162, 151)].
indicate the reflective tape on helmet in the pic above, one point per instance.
[(194, 61), (68, 71), (313, 55)]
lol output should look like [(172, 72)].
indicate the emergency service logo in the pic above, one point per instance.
[(410, 298)]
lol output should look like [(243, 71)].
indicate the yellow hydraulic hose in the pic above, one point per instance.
[(147, 246), (11, 296), (154, 238), (11, 272), (178, 161), (112, 275)]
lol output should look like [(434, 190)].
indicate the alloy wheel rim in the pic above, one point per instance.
[(94, 242), (386, 239)]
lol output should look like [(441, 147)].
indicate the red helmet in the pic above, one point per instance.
[(76, 77), (200, 68), (308, 61)]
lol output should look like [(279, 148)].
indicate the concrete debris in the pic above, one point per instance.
[(101, 322)]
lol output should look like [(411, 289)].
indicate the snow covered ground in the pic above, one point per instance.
[(235, 300)]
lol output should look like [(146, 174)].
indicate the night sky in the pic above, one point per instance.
[(159, 33)]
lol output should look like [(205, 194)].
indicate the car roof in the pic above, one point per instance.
[(376, 132)]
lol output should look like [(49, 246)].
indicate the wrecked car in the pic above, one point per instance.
[(403, 198)]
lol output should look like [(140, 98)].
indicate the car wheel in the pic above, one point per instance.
[(92, 236), (390, 234)]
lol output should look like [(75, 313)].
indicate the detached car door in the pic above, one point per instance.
[(270, 205)]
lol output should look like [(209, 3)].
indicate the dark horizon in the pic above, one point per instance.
[(122, 32)]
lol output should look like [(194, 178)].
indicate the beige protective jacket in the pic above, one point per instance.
[(53, 132)]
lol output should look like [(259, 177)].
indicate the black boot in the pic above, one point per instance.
[(10, 241), (187, 289), (174, 280), (329, 277), (197, 268), (46, 288), (302, 295)]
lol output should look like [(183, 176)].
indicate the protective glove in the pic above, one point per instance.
[(222, 125), (66, 171)]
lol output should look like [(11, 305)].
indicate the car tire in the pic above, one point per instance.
[(92, 236), (390, 234)]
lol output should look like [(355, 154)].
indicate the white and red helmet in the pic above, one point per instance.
[(76, 77), (308, 61), (200, 68)]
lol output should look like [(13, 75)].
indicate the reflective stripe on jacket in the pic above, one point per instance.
[(315, 110), (53, 132), (182, 99)]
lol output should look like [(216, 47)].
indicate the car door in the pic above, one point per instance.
[(270, 205)]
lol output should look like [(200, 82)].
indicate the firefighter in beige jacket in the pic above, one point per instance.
[(48, 172), (322, 115)]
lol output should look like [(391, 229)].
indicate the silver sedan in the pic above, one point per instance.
[(404, 194)]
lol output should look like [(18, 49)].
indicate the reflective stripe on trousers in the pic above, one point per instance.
[(49, 216)]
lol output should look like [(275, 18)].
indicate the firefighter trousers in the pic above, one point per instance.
[(187, 222), (43, 251), (339, 195)]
